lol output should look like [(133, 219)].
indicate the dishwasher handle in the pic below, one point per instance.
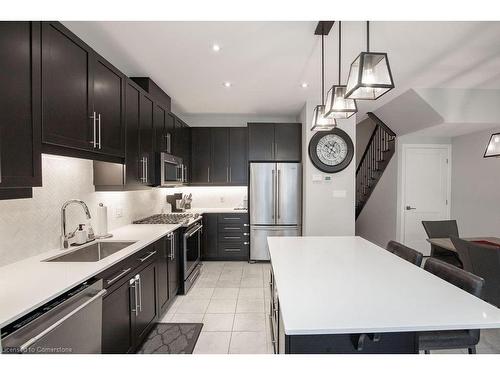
[(45, 332)]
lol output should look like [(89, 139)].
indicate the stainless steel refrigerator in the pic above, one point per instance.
[(275, 204)]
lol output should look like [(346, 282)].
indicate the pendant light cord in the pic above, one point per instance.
[(322, 68), (340, 49), (367, 36)]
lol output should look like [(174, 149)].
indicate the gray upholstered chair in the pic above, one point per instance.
[(455, 339), (442, 229), (405, 252), (483, 261)]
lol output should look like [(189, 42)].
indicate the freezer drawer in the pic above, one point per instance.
[(259, 249)]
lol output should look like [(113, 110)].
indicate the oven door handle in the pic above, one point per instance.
[(190, 232)]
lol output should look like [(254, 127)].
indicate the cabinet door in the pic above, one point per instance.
[(219, 168), (146, 137), (238, 156), (177, 145), (200, 155), (147, 301), (287, 138), (261, 142), (186, 151), (117, 320), (163, 248), (173, 267), (160, 135), (209, 245), (66, 85), (133, 167), (20, 111), (108, 85), (169, 131)]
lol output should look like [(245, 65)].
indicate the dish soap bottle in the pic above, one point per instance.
[(81, 235)]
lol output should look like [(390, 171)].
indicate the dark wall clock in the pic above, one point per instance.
[(331, 151)]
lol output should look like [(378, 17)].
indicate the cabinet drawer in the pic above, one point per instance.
[(232, 228), (229, 250), (231, 218), (233, 236)]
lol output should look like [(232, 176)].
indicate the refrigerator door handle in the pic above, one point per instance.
[(273, 206), (278, 193)]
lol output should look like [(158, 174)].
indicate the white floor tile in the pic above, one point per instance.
[(218, 322), (166, 318), (225, 293), (206, 283), (213, 343), (193, 306), (231, 283), (222, 306), (251, 293), (200, 293), (248, 343), (187, 318), (250, 306), (249, 322), (252, 282)]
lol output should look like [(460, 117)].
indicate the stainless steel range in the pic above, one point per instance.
[(191, 232)]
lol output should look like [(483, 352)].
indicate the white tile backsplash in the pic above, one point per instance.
[(31, 226)]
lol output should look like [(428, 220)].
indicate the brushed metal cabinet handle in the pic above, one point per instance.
[(123, 273), (99, 119), (94, 122), (133, 284), (208, 174), (150, 254)]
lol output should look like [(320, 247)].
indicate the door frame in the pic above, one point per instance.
[(404, 148)]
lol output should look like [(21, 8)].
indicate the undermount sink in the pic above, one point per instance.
[(93, 252)]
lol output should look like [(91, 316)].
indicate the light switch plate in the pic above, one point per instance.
[(317, 178), (118, 212)]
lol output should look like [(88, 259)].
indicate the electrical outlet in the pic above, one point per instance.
[(222, 200), (118, 212)]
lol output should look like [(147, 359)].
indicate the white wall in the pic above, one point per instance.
[(475, 181), (32, 226), (324, 215), (380, 219)]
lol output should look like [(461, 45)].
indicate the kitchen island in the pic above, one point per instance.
[(348, 295)]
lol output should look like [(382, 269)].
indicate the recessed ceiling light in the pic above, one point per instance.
[(304, 85), (227, 84), (215, 47)]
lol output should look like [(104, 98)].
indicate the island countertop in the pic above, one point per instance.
[(337, 285)]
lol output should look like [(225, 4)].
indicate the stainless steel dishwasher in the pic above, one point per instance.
[(71, 323)]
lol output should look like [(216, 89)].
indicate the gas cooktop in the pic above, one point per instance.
[(171, 218)]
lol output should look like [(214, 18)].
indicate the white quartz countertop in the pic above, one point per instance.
[(30, 283), (329, 285)]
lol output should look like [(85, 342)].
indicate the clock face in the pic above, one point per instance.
[(331, 149)]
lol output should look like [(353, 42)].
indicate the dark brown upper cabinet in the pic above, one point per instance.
[(238, 156), (219, 156), (274, 142), (20, 109), (82, 96), (161, 139), (147, 139)]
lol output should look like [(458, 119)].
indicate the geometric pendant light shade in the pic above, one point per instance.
[(370, 75), (319, 119), (337, 105), (493, 149)]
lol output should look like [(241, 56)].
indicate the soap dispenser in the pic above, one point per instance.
[(81, 235)]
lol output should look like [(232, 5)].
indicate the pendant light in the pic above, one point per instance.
[(493, 149), (370, 75), (320, 121), (337, 106)]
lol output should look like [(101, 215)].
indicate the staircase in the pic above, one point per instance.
[(378, 153)]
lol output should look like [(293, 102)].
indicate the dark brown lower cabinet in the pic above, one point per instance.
[(130, 310), (173, 266), (226, 236), (117, 320)]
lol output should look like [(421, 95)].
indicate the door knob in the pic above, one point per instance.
[(408, 208)]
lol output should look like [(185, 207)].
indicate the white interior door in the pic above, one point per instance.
[(425, 191)]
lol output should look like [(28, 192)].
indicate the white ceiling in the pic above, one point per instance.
[(267, 61)]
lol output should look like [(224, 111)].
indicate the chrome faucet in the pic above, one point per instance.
[(65, 237)]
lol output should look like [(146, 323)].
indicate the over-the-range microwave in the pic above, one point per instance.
[(173, 171)]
